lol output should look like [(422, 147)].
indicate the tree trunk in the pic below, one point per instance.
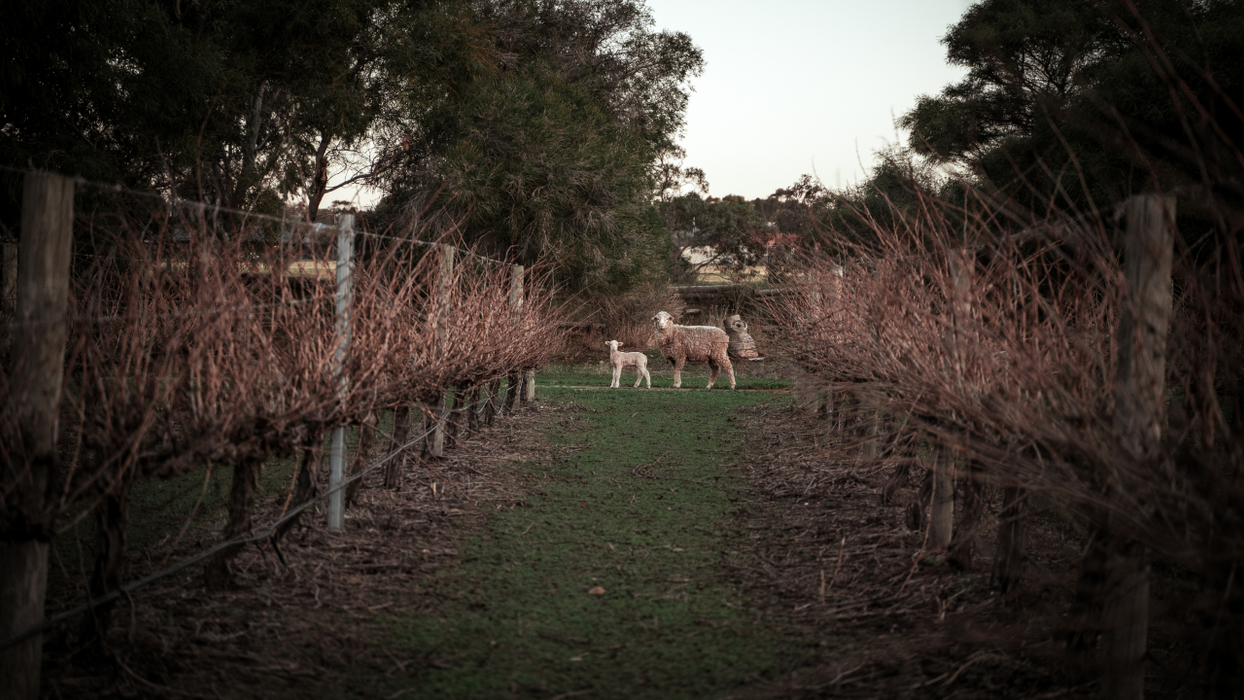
[(36, 373), (367, 434), (511, 397), (454, 416), (319, 179), (1012, 540), (967, 535), (942, 510), (473, 408), (305, 486), (805, 393), (217, 574), (494, 402), (434, 426), (394, 470), (112, 518)]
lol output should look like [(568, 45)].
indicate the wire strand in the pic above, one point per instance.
[(267, 534), (203, 207)]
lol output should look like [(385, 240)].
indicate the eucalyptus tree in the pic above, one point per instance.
[(1073, 105), (558, 152), (733, 230)]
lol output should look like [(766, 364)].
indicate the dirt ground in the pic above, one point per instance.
[(819, 552)]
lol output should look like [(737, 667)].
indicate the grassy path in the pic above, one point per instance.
[(608, 583)]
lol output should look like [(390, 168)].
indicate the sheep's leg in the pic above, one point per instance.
[(639, 374), (678, 371), (716, 368), (617, 375), (647, 378), (729, 372)]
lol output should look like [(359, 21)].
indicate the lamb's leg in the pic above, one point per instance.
[(647, 377), (716, 368), (639, 374), (730, 372), (613, 383)]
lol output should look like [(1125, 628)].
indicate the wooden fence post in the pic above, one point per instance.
[(444, 289), (36, 373), (942, 511), (516, 302), (1140, 392), (345, 295), (964, 337)]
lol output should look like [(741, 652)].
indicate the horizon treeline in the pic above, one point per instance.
[(1067, 107)]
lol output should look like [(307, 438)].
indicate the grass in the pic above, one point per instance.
[(747, 375), (608, 581), (196, 501)]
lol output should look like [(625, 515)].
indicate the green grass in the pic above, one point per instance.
[(642, 511), (160, 508), (747, 375)]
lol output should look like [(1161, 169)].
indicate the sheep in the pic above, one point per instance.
[(742, 345), (696, 343), (618, 360)]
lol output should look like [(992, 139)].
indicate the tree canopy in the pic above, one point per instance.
[(218, 100), (546, 127), (561, 151), (1075, 105)]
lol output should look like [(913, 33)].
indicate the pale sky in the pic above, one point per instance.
[(804, 86), (800, 86)]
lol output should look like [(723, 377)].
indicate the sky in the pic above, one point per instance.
[(804, 86), (799, 86)]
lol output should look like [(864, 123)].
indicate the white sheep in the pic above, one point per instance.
[(696, 343), (618, 360)]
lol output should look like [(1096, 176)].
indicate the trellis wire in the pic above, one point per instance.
[(127, 589), (250, 215)]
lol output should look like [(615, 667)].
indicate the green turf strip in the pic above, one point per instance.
[(639, 513)]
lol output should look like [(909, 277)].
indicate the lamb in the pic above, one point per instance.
[(696, 343), (618, 360)]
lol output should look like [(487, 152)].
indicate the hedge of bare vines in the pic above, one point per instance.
[(998, 345), (194, 341)]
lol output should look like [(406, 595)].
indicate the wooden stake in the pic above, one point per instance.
[(345, 295), (1140, 392), (36, 374)]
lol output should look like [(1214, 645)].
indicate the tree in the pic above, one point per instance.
[(1079, 105), (1024, 61), (234, 103), (731, 228), (559, 152), (542, 172)]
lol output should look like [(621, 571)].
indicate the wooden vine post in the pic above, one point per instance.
[(516, 303), (1140, 393), (36, 373), (444, 289), (345, 295), (942, 511)]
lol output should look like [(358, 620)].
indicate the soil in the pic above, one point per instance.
[(818, 559)]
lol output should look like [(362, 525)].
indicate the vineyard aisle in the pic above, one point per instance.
[(610, 579)]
